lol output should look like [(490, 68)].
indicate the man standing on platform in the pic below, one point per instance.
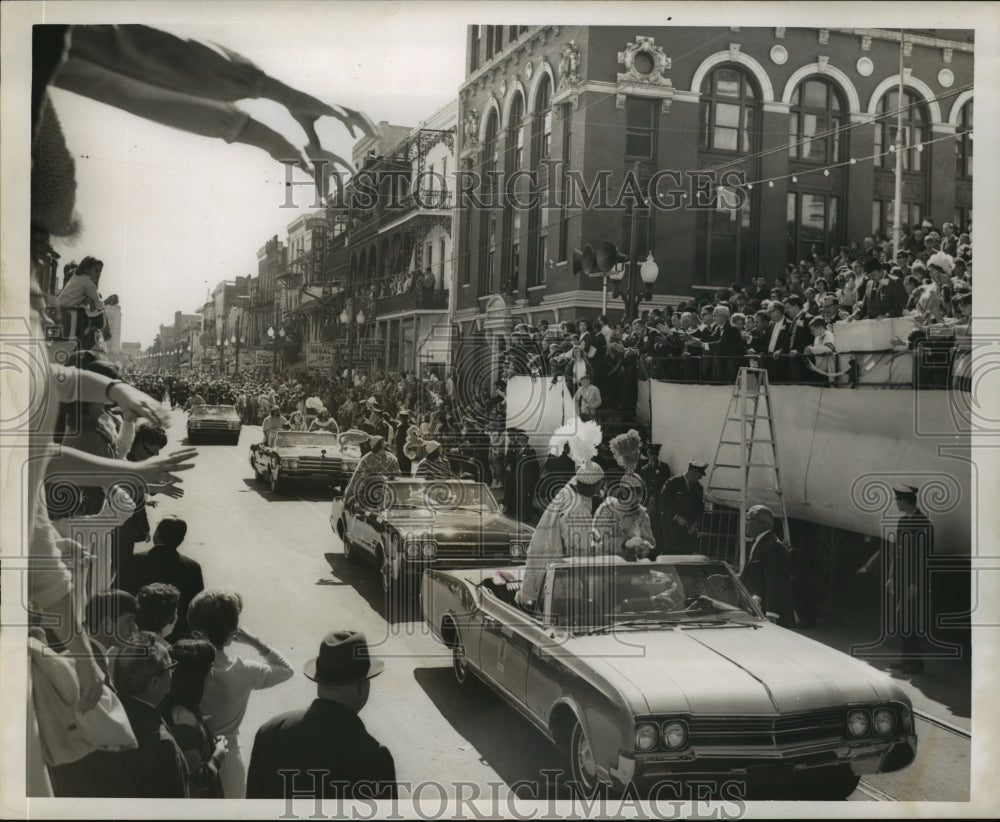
[(681, 506)]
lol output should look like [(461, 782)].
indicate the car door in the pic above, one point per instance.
[(506, 646)]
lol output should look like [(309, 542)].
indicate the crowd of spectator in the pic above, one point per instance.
[(787, 324)]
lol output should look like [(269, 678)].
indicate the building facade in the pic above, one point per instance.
[(748, 147)]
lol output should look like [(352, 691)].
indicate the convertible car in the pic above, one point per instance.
[(404, 525), (306, 456), (214, 422), (648, 672)]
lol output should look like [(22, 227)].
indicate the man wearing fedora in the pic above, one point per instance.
[(325, 751)]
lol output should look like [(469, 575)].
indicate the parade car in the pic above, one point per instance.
[(644, 672), (206, 422), (305, 456), (404, 525)]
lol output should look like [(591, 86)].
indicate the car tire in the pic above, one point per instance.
[(350, 552), (192, 439), (275, 483), (582, 762), (464, 678)]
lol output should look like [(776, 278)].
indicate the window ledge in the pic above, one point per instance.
[(538, 287)]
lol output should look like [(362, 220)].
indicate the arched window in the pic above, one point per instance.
[(541, 150), (729, 103), (487, 217), (515, 135), (915, 164), (815, 121), (963, 142), (914, 130)]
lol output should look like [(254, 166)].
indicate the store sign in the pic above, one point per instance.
[(319, 355), (371, 349), (265, 358)]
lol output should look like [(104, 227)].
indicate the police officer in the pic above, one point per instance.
[(681, 505)]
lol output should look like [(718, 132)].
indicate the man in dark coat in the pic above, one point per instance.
[(164, 563), (654, 474), (907, 550), (768, 572), (800, 337), (681, 506), (520, 477), (558, 470), (328, 738)]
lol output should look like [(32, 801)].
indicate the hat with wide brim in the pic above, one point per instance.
[(343, 658), (354, 437)]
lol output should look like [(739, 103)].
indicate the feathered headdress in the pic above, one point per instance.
[(583, 439), (625, 448), (941, 260)]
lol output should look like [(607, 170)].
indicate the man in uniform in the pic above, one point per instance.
[(906, 550), (681, 506)]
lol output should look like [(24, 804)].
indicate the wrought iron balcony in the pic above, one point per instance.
[(419, 299)]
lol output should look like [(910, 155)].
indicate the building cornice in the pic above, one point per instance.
[(894, 36)]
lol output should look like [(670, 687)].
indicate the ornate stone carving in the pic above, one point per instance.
[(824, 36), (569, 66), (734, 52), (946, 55), (470, 129), (823, 63), (779, 33), (645, 50), (907, 49), (866, 42)]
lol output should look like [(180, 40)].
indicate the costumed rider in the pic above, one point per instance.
[(564, 529), (374, 467), (621, 523), (435, 465)]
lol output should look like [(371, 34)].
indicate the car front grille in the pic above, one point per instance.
[(472, 550), (742, 731), (321, 464), (212, 425)]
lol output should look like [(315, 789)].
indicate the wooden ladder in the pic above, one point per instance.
[(745, 471)]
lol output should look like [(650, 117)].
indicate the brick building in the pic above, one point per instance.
[(806, 116)]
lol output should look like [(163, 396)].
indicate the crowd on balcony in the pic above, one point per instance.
[(410, 282), (787, 325)]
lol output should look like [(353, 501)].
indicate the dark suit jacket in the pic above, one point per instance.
[(162, 564), (325, 736), (156, 768), (768, 574), (801, 336)]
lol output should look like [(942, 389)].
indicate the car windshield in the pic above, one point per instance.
[(296, 438), (602, 595), (213, 411), (441, 495)]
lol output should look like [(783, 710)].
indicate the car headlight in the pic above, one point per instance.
[(858, 723), (518, 550), (885, 721), (429, 549), (234, 424), (646, 736), (289, 462), (675, 734), (413, 550), (421, 549), (194, 424)]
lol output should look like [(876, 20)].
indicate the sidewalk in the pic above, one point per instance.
[(943, 689)]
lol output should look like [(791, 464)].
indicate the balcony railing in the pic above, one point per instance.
[(415, 300)]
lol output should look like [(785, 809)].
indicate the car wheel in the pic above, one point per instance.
[(277, 486), (350, 554), (582, 762), (460, 665)]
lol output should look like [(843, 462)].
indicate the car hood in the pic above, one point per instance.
[(461, 526), (731, 670), (332, 452)]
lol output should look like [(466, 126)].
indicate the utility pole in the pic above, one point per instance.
[(898, 192)]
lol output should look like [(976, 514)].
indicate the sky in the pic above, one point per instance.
[(171, 214)]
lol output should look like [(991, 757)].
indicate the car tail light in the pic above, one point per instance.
[(858, 723), (675, 734), (647, 735), (885, 721)]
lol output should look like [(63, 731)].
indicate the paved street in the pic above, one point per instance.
[(281, 555)]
